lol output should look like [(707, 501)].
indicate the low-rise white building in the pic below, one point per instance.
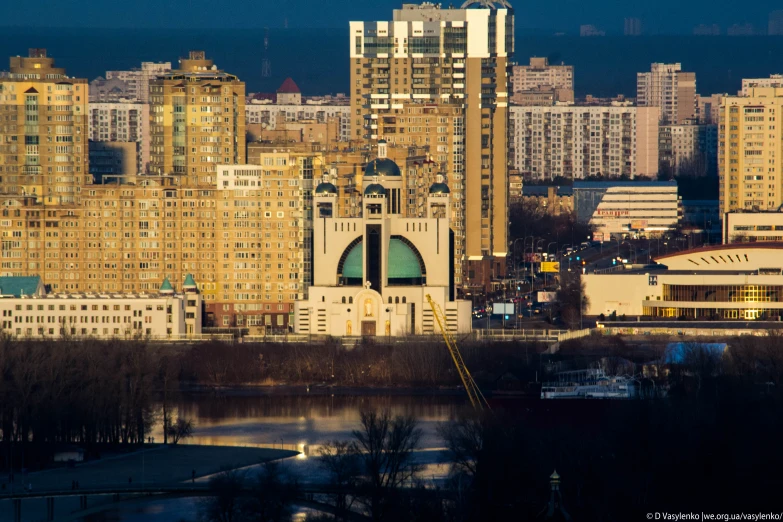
[(165, 315), (745, 227), (619, 208), (728, 282), (371, 274)]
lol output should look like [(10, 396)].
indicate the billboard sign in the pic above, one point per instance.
[(550, 266), (503, 308), (638, 224), (547, 297)]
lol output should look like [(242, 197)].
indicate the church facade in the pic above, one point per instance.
[(371, 274)]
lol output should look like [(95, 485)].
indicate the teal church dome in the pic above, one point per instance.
[(382, 167)]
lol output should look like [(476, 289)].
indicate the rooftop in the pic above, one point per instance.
[(758, 245), (289, 87), (612, 184)]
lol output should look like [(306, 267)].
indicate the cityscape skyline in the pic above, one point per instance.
[(665, 17)]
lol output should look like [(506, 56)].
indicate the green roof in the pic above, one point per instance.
[(189, 281), (19, 285), (439, 188), (352, 267), (325, 188), (382, 167), (403, 261), (166, 286), (374, 189)]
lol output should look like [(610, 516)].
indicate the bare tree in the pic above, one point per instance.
[(341, 460), (272, 496), (224, 505), (182, 429), (464, 439), (386, 445)]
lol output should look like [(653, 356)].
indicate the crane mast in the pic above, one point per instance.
[(477, 398)]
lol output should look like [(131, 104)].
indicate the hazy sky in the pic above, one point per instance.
[(563, 15)]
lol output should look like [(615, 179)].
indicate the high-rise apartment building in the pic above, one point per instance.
[(245, 238), (750, 149), (137, 80), (690, 149), (542, 84), (632, 27), (668, 87), (709, 108), (439, 77), (197, 120), (576, 142), (539, 74), (43, 125), (123, 122), (775, 26)]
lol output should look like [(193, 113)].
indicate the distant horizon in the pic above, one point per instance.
[(661, 17), (318, 61), (531, 31)]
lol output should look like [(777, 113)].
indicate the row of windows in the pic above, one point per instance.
[(723, 293)]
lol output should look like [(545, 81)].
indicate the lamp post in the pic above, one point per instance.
[(514, 254)]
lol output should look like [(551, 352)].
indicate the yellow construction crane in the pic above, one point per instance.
[(474, 393)]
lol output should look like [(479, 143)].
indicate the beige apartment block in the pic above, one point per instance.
[(275, 122), (576, 142), (123, 122), (137, 80), (197, 120), (709, 108), (113, 158), (774, 80), (443, 75), (668, 87), (244, 239), (540, 75), (689, 149), (43, 131), (750, 150)]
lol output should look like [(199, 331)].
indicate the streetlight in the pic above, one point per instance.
[(514, 254), (389, 310)]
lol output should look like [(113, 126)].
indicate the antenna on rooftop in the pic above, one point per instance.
[(486, 3), (266, 65)]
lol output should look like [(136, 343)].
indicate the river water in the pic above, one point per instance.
[(301, 422)]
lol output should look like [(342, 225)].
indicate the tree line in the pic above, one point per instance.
[(96, 394)]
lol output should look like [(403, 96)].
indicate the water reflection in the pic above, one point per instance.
[(309, 419), (300, 422)]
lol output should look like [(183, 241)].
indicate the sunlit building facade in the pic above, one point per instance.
[(197, 120), (44, 131), (741, 281), (440, 77), (750, 150)]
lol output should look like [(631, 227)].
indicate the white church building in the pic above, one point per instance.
[(371, 274)]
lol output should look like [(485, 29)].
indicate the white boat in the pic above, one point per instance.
[(589, 384)]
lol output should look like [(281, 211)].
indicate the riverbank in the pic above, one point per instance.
[(294, 390)]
